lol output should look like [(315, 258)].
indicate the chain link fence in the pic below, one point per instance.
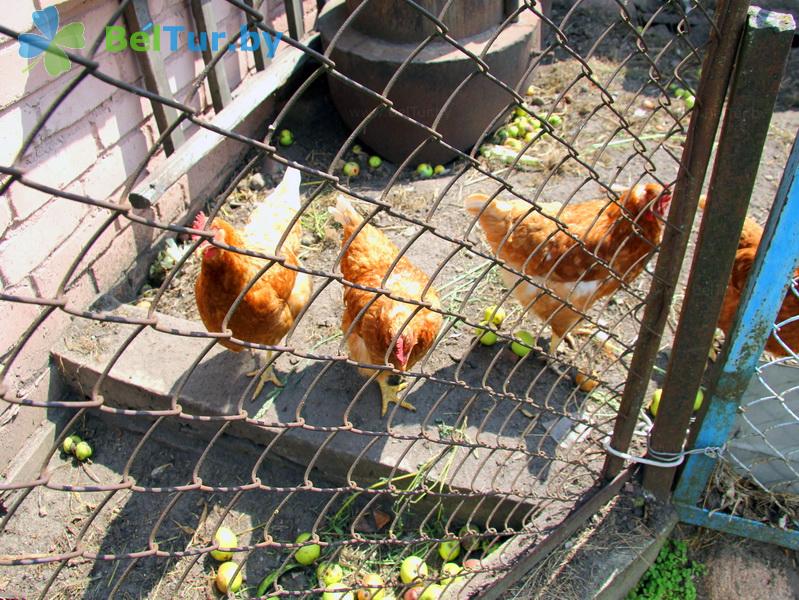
[(508, 429), (757, 478)]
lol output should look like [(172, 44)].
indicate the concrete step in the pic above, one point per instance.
[(318, 420)]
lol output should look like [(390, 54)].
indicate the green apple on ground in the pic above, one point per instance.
[(654, 403), (286, 138), (329, 573), (224, 538), (439, 169), (412, 568), (425, 170), (450, 572), (332, 594), (432, 592), (306, 555), (449, 550), (375, 162), (351, 169), (525, 337), (484, 335), (371, 587), (70, 442), (469, 535), (83, 451), (224, 577), (494, 314)]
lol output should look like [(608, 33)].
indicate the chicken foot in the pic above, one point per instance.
[(267, 375), (389, 392)]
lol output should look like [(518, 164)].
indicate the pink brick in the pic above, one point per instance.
[(18, 83), (181, 69), (108, 266), (233, 69), (222, 9), (172, 205), (89, 94), (5, 215), (122, 113), (16, 316), (157, 8), (51, 272), (65, 157), (48, 275), (94, 16), (31, 244), (111, 169), (14, 124), (36, 353), (17, 15)]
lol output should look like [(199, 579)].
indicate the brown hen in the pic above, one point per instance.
[(565, 278), (748, 243), (389, 331), (269, 307)]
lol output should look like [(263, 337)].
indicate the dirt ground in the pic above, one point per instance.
[(125, 520), (739, 568)]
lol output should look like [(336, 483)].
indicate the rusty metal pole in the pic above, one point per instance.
[(759, 70), (716, 72)]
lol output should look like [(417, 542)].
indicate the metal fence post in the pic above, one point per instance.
[(716, 72), (777, 259), (760, 66)]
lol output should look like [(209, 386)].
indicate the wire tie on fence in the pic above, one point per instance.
[(663, 459)]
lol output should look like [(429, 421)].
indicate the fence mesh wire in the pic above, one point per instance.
[(499, 445), (757, 476)]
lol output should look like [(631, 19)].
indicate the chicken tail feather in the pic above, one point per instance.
[(344, 213)]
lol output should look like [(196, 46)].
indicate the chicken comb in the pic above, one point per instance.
[(199, 222)]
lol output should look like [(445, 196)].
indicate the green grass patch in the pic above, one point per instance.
[(671, 577)]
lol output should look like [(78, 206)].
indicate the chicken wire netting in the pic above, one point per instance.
[(508, 430), (758, 472)]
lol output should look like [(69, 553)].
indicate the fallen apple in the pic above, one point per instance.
[(484, 335), (83, 451), (494, 314), (224, 538), (286, 138), (425, 170), (375, 162), (329, 573), (412, 568), (372, 587), (450, 572), (306, 555), (332, 594), (432, 592), (70, 442), (225, 581), (525, 337), (470, 538), (449, 550), (351, 169)]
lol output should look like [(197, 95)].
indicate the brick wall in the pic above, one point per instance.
[(90, 146)]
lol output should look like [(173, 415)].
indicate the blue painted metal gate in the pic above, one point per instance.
[(752, 421)]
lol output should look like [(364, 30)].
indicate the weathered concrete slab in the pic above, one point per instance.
[(319, 418)]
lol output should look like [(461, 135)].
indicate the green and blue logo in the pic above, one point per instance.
[(52, 42), (150, 37), (51, 45)]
